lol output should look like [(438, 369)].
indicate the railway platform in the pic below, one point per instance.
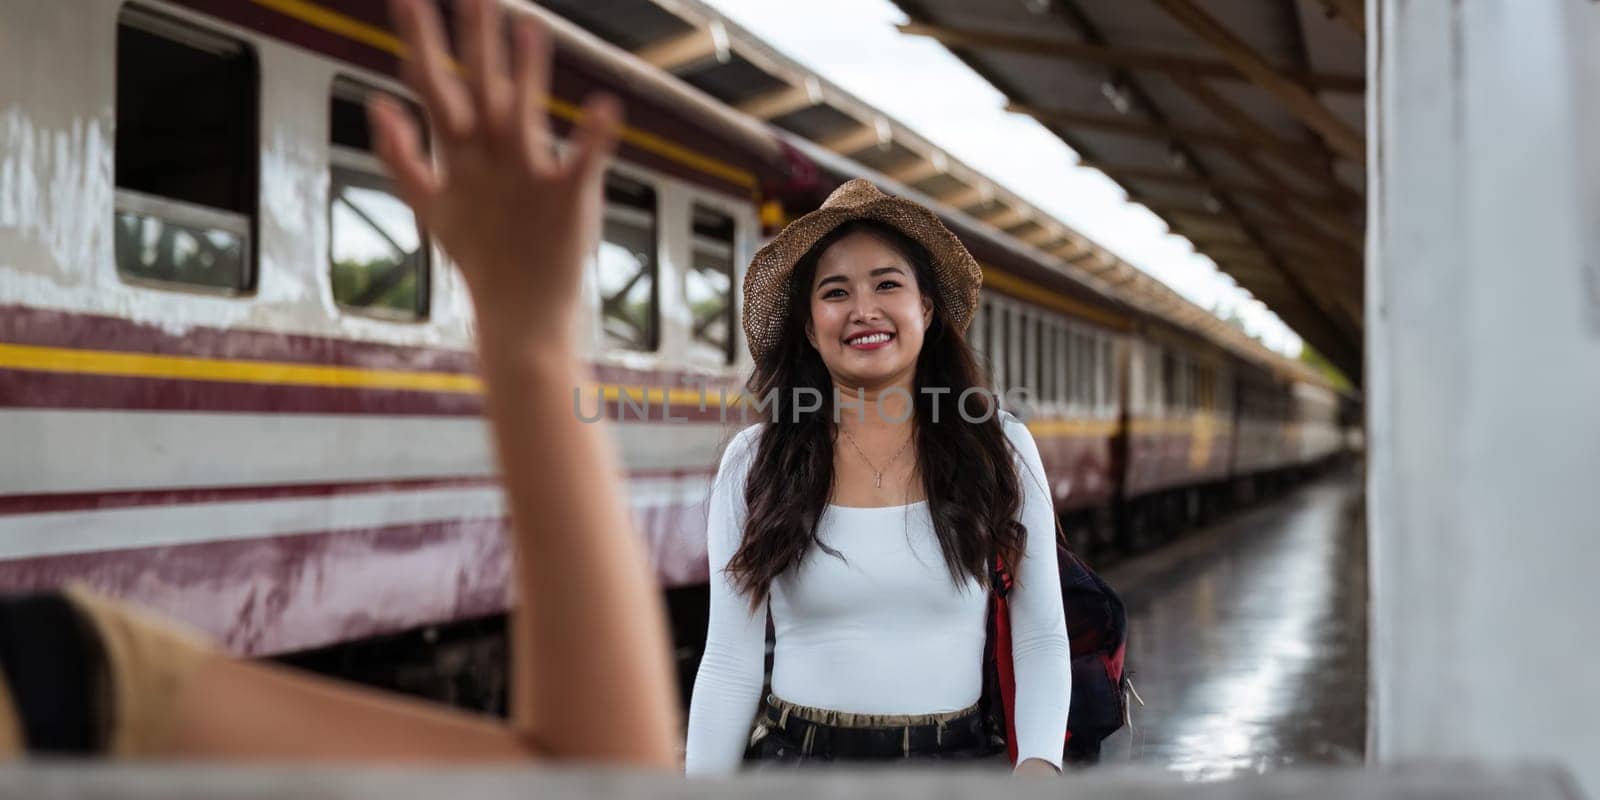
[(1247, 639)]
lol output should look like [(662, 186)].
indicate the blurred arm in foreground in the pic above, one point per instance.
[(590, 675)]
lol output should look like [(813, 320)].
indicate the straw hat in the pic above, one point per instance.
[(766, 283)]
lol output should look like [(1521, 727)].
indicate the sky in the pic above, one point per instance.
[(854, 44)]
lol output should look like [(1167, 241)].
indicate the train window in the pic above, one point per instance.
[(1158, 390), (710, 284), (629, 304), (1007, 349), (976, 337), (1016, 353), (1092, 376), (1063, 368), (1138, 377), (1030, 352), (378, 257), (184, 154), (991, 326), (992, 331), (1074, 367), (1069, 360), (1097, 388), (1025, 350), (1047, 361), (1040, 383), (1036, 364), (973, 336), (1086, 364), (1095, 378), (1169, 381), (1003, 347), (1108, 360)]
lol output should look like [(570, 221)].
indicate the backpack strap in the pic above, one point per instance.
[(1000, 580)]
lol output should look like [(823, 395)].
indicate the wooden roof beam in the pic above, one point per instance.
[(877, 133), (1286, 88), (1320, 270), (1340, 272), (921, 169), (1071, 247), (1326, 219), (1129, 58), (1152, 130), (679, 54), (1279, 222), (1350, 12), (1041, 236), (967, 196), (783, 101), (1320, 320), (1314, 165), (1122, 172), (1008, 216)]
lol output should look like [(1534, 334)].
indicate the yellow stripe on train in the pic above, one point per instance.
[(108, 363)]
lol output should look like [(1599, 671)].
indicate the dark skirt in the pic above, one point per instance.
[(793, 735)]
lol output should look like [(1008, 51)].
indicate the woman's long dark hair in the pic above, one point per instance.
[(974, 508)]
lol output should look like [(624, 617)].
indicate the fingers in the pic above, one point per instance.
[(478, 36), (533, 86), (399, 147), (596, 137), (427, 67)]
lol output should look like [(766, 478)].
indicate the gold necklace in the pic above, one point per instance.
[(877, 474)]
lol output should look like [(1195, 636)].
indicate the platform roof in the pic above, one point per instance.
[(1238, 122), (692, 41)]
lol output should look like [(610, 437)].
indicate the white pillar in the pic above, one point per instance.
[(1483, 346)]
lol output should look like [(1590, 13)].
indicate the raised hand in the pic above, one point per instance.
[(589, 646), (519, 221)]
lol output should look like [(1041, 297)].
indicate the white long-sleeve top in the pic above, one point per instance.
[(883, 631)]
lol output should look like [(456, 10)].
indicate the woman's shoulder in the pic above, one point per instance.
[(736, 456), (1021, 439), (1025, 454), (746, 439), (1015, 429)]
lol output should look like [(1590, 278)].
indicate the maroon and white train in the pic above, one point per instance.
[(236, 383)]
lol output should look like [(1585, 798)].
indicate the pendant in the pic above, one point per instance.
[(877, 479)]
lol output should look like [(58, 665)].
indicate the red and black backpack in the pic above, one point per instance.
[(1097, 629)]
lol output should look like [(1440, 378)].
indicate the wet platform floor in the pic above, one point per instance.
[(1248, 639)]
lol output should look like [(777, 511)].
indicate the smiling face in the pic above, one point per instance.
[(868, 315)]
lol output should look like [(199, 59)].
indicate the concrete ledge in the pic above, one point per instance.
[(64, 779)]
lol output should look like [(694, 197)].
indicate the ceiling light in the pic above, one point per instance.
[(1177, 158), (1117, 93)]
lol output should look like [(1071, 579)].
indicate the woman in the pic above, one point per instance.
[(866, 527), (86, 675)]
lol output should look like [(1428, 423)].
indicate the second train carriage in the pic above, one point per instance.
[(242, 380)]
